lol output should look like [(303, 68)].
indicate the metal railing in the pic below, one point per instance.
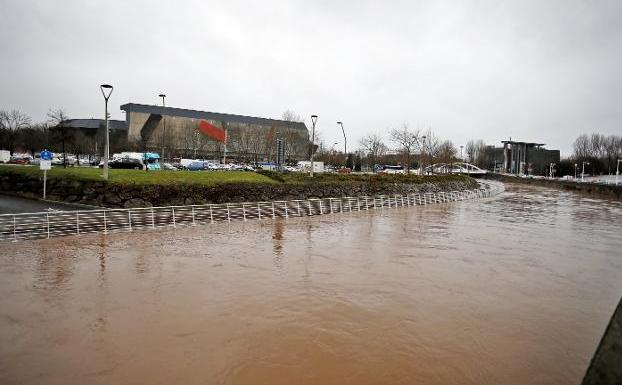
[(14, 227)]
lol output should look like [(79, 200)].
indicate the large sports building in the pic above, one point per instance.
[(180, 132)]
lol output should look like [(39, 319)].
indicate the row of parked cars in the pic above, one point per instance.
[(58, 159)]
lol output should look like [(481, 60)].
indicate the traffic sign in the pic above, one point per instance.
[(45, 164), (46, 155)]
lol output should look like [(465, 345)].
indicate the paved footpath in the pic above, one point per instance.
[(11, 204)]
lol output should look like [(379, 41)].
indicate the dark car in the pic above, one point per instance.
[(126, 164)]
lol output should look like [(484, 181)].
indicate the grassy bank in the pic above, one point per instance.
[(137, 188), (139, 177)]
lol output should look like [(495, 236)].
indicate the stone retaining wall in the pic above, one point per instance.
[(130, 195)]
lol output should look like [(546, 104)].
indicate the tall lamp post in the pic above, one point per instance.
[(313, 120), (461, 159), (345, 143), (164, 124), (583, 169), (106, 90), (422, 152), (575, 171)]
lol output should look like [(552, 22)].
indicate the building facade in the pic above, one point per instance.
[(176, 133), (521, 158)]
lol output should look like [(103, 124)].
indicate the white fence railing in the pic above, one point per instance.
[(14, 227)]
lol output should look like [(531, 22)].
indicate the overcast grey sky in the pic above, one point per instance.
[(541, 70)]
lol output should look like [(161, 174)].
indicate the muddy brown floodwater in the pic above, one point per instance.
[(515, 289)]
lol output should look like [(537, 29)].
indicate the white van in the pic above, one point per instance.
[(5, 156)]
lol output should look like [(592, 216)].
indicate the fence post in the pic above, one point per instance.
[(193, 223), (152, 219), (48, 220), (173, 210), (310, 208), (285, 205), (105, 225), (129, 218), (273, 214), (211, 213), (298, 203), (228, 213), (244, 211), (341, 205), (258, 210), (14, 229)]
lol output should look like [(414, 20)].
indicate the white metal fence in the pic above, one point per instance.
[(14, 227)]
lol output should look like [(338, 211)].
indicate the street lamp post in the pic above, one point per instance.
[(196, 143), (422, 153), (575, 171), (313, 120), (106, 88), (461, 159), (583, 169), (164, 124), (345, 143)]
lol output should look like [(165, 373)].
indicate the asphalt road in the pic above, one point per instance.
[(10, 205)]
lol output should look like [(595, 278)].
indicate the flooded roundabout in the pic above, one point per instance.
[(513, 289)]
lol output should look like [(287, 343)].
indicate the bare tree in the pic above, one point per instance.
[(407, 141), (60, 131), (291, 116), (475, 152), (446, 152), (373, 147), (11, 123), (34, 138)]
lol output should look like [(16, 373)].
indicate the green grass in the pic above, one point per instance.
[(142, 177), (218, 177)]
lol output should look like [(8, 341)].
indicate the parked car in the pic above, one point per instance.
[(168, 166), (197, 166), (19, 160), (125, 163)]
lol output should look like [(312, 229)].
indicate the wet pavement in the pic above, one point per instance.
[(514, 289), (12, 205)]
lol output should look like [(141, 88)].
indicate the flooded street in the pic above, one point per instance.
[(514, 289)]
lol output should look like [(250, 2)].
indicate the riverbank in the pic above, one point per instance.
[(601, 190), (135, 188)]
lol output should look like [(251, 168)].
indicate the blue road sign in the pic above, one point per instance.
[(46, 155)]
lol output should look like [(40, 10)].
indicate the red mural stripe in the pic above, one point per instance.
[(212, 131)]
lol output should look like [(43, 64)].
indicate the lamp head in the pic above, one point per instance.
[(162, 95), (314, 118), (106, 90)]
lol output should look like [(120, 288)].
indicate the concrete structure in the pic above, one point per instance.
[(606, 365), (248, 138), (521, 158)]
